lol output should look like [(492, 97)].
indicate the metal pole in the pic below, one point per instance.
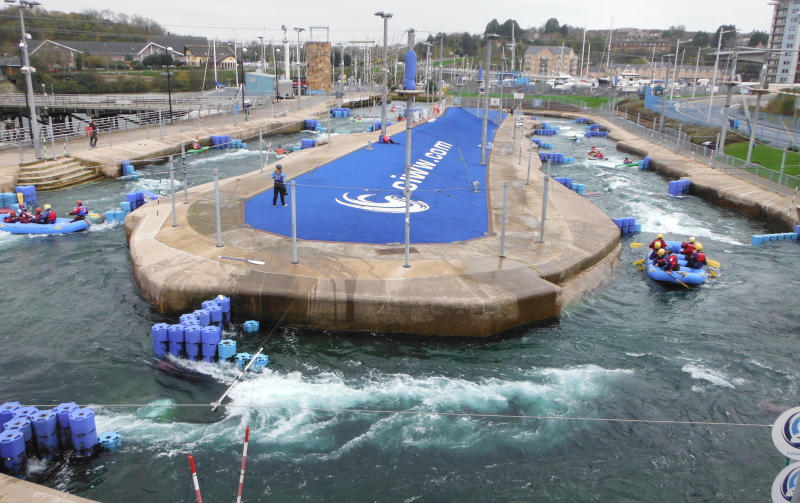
[(753, 128), (216, 207), (714, 77), (261, 146), (530, 158), (544, 202), (160, 123), (185, 175), (172, 191), (33, 121), (52, 137), (407, 188), (519, 160), (486, 79), (783, 164), (294, 223), (678, 140), (384, 72), (503, 221), (725, 117)]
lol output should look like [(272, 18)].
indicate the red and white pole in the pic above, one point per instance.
[(244, 462), (194, 479)]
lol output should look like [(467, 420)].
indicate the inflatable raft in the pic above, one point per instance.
[(685, 275), (62, 226)]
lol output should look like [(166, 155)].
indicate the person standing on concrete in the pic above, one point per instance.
[(92, 130), (279, 179)]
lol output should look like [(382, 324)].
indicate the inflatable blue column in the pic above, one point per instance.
[(110, 441), (12, 450), (176, 338), (225, 305), (210, 338), (45, 435), (160, 339), (84, 432), (7, 411), (22, 424), (64, 433), (410, 74), (193, 339)]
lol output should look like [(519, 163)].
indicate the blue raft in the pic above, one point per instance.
[(685, 275), (62, 226)]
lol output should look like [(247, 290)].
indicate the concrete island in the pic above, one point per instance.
[(455, 289)]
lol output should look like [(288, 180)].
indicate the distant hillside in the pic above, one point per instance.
[(87, 25)]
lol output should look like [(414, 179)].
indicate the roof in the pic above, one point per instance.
[(555, 49), (87, 47), (207, 51)]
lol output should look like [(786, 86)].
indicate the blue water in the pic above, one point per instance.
[(76, 329)]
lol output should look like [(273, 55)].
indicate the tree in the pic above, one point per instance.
[(79, 62), (730, 34), (564, 30), (702, 39), (551, 26), (158, 60), (493, 26), (758, 37)]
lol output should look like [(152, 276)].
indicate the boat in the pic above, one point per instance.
[(62, 226), (198, 150), (629, 81), (685, 276), (627, 164)]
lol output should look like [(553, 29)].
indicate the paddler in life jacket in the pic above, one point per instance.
[(79, 212), (11, 218), (22, 214), (574, 138), (697, 259), (626, 161), (48, 215), (661, 260), (656, 247), (672, 262), (196, 143), (593, 151), (37, 218), (280, 151), (687, 247), (659, 239)]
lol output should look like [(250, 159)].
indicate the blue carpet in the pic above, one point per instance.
[(359, 198)]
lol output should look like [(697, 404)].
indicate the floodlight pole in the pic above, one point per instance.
[(487, 79), (384, 69), (27, 70)]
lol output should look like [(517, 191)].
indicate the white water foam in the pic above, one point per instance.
[(714, 377)]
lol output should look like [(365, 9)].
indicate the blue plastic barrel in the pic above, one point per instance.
[(24, 412), (216, 314), (193, 340), (176, 338), (125, 206), (226, 349), (242, 359), (160, 338), (110, 441), (209, 303), (62, 414), (12, 451), (224, 303), (250, 326), (203, 316), (84, 432), (23, 424), (185, 318), (260, 362), (7, 411), (45, 424)]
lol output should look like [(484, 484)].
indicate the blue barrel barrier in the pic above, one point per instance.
[(581, 120), (84, 432), (62, 414), (226, 349), (225, 305), (176, 338), (242, 359), (260, 362), (160, 338), (7, 411), (545, 132), (110, 441), (210, 337), (203, 316), (45, 425), (591, 133), (193, 339), (26, 412), (22, 424), (627, 225), (679, 187), (12, 451), (644, 164), (28, 195), (766, 238), (797, 229), (250, 326)]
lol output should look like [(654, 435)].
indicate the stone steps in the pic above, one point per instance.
[(53, 175)]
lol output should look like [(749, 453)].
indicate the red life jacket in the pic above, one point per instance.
[(701, 258), (52, 216), (672, 260)]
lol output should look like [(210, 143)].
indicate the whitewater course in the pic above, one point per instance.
[(566, 373)]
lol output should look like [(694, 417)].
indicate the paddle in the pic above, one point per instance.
[(679, 281), (641, 268), (713, 263), (256, 262), (639, 262), (636, 245), (713, 274)]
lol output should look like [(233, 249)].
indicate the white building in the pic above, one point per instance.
[(782, 66)]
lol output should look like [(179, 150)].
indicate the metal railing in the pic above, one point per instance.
[(776, 181)]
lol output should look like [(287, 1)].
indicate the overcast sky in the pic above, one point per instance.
[(350, 20)]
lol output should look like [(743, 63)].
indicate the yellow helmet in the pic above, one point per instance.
[(691, 239), (661, 252), (698, 247), (660, 236), (657, 245), (47, 206)]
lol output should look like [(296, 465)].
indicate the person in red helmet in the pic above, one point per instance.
[(79, 212), (37, 218), (11, 218)]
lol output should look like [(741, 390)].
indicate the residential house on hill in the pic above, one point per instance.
[(550, 60)]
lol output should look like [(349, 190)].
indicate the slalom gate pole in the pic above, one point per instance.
[(194, 479), (244, 462)]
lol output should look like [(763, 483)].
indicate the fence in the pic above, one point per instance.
[(776, 181)]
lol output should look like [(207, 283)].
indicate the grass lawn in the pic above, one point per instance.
[(769, 157)]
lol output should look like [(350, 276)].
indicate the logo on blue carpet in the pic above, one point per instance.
[(393, 204)]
